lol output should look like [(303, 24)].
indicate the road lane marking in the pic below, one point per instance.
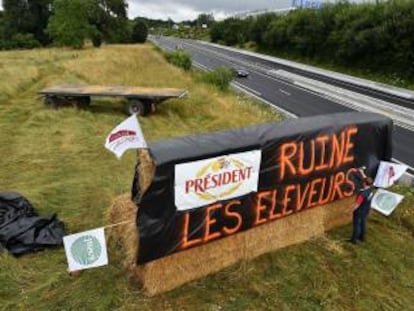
[(285, 92), (272, 105), (247, 88)]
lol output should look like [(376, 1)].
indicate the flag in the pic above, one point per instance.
[(385, 201), (86, 250), (127, 135), (388, 173)]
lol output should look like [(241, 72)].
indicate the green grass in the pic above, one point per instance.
[(57, 160)]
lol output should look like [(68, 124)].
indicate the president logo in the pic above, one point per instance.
[(202, 182), (120, 134), (224, 175)]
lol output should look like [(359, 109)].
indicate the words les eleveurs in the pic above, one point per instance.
[(325, 153)]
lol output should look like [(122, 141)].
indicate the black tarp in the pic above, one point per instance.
[(22, 230), (159, 223)]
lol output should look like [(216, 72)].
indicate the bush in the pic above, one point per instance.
[(220, 77), (139, 32), (24, 41), (180, 59), (97, 40)]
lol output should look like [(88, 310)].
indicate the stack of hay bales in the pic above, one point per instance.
[(167, 273)]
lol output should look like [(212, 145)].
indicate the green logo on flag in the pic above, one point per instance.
[(86, 250), (386, 201)]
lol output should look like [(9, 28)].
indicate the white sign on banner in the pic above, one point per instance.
[(388, 173), (385, 201), (86, 249), (203, 182), (127, 135)]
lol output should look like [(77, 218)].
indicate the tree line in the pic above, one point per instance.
[(377, 37), (35, 23)]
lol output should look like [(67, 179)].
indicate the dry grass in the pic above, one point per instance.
[(57, 160)]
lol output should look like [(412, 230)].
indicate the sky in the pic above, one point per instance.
[(180, 10)]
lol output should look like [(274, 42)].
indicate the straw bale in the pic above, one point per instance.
[(167, 273), (146, 170), (123, 209)]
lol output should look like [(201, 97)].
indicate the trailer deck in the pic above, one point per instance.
[(140, 100)]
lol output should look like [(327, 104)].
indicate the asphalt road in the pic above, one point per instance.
[(290, 98)]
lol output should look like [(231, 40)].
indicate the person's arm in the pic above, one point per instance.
[(358, 202), (362, 172)]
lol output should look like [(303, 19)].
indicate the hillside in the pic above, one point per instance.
[(57, 160)]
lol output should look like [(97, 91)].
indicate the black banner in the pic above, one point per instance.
[(305, 163)]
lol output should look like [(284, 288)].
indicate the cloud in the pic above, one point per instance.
[(180, 10)]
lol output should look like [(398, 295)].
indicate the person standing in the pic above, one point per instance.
[(361, 211)]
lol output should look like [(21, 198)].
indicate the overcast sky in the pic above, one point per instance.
[(180, 10)]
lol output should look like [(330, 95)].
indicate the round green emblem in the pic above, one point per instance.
[(386, 201), (86, 250)]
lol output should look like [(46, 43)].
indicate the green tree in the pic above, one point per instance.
[(69, 25), (139, 31), (205, 19), (27, 17), (109, 17), (258, 27)]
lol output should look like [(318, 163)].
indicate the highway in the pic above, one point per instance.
[(293, 100)]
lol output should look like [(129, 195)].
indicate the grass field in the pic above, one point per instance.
[(57, 160)]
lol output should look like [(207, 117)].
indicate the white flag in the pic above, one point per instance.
[(388, 173), (385, 201), (86, 249), (127, 135)]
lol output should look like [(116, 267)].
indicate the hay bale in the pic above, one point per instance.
[(167, 273), (123, 209), (145, 170), (172, 271)]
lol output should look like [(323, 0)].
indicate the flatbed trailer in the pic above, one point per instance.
[(139, 100)]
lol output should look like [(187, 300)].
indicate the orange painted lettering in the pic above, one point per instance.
[(322, 140), (302, 169), (339, 180), (288, 151), (234, 215), (185, 242), (286, 200), (337, 151), (208, 236), (260, 207), (349, 157), (272, 214)]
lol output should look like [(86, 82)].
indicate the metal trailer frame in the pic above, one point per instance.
[(139, 100)]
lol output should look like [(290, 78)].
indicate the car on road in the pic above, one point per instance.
[(241, 72)]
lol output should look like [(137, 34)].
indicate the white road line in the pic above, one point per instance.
[(247, 88), (201, 66), (272, 105), (285, 92)]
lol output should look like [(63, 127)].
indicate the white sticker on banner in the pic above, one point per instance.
[(388, 173), (203, 182), (385, 201), (86, 249)]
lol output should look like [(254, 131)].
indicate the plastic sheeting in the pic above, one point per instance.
[(283, 185), (22, 231)]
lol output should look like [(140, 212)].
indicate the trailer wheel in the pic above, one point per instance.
[(51, 102), (153, 107), (83, 102), (135, 106)]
